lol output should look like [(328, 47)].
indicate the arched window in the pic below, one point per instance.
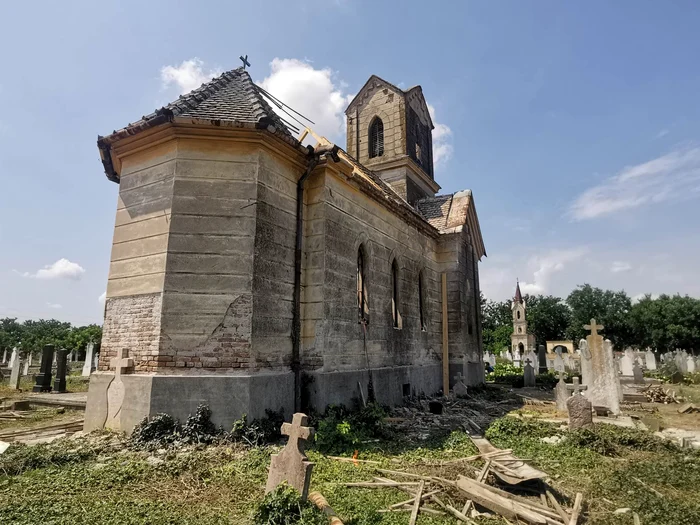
[(395, 294), (421, 305), (376, 138), (520, 330), (362, 303), (518, 314)]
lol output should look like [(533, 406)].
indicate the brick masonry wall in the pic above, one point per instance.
[(132, 323)]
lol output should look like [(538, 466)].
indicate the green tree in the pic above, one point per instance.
[(36, 334), (80, 337), (607, 307), (548, 318), (666, 323), (10, 333), (497, 324)]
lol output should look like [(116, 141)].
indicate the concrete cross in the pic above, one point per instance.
[(577, 387), (458, 378), (298, 432), (528, 362), (121, 362), (244, 59), (561, 376), (593, 327)]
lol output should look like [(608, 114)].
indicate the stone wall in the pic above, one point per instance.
[(388, 106)]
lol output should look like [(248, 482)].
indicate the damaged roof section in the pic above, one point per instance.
[(232, 99), (449, 213)]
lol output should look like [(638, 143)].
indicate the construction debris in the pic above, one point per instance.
[(658, 394), (688, 408), (425, 491)]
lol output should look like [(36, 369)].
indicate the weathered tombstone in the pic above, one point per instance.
[(561, 392), (682, 362), (96, 361), (30, 357), (13, 358), (580, 412), (460, 389), (650, 360), (115, 391), (586, 366), (638, 374), (559, 363), (4, 356), (43, 378), (542, 358), (492, 360), (528, 374), (627, 364), (291, 464), (87, 366), (15, 375), (690, 364), (604, 384), (27, 363), (59, 384)]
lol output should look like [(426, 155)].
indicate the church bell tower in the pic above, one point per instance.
[(520, 340), (389, 131)]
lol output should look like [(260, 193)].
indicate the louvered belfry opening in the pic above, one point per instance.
[(376, 138)]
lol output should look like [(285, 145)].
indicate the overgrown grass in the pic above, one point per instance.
[(91, 481)]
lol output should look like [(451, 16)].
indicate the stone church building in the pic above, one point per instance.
[(250, 272)]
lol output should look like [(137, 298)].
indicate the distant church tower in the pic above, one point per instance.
[(389, 131), (520, 340)]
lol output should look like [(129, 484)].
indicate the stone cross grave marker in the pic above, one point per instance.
[(291, 464), (460, 389), (528, 373), (115, 392), (576, 387), (580, 412), (602, 381), (87, 366), (15, 375)]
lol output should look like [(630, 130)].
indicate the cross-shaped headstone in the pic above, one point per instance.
[(561, 377), (593, 327), (121, 362), (244, 59), (297, 431), (460, 389), (291, 464), (528, 362), (576, 386)]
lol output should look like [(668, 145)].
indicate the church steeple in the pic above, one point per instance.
[(518, 295)]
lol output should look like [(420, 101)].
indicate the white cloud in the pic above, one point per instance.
[(442, 140), (662, 133), (55, 306), (546, 265), (620, 266), (61, 269), (671, 177), (187, 76), (102, 298), (315, 93)]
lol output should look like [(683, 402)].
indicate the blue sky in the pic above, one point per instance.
[(574, 123)]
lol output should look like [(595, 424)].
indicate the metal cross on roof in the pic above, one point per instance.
[(244, 59)]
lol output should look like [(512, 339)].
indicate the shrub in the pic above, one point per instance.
[(162, 431), (340, 429), (283, 506), (261, 431)]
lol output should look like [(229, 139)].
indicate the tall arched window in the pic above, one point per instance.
[(395, 294), (376, 138), (421, 305), (518, 314), (362, 303)]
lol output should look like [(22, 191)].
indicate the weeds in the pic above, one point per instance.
[(283, 506)]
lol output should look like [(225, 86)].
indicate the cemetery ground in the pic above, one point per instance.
[(104, 477)]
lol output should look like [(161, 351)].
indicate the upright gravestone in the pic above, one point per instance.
[(87, 366), (116, 390), (528, 374), (682, 362), (559, 365), (43, 378), (561, 392), (15, 375), (4, 356), (542, 358), (604, 385), (627, 364), (637, 374), (27, 363), (580, 412), (291, 464), (13, 358), (690, 364), (650, 360), (59, 384), (460, 389), (492, 360)]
